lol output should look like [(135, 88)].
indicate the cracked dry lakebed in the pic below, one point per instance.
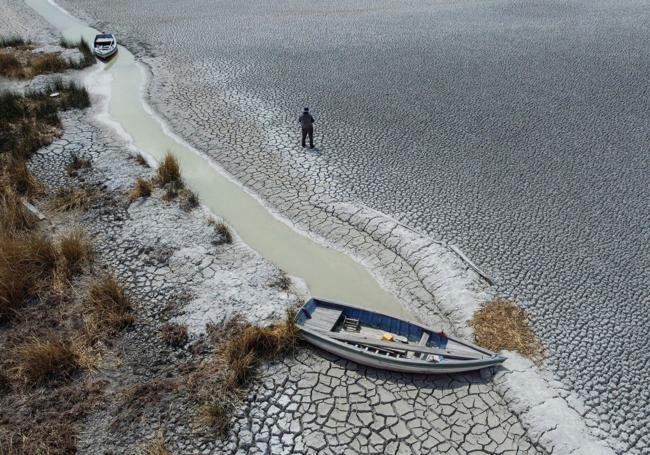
[(516, 131)]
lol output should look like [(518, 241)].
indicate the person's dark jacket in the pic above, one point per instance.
[(306, 121)]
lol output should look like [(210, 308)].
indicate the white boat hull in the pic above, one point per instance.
[(105, 54), (353, 354)]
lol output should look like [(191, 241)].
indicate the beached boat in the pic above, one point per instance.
[(385, 342), (105, 45)]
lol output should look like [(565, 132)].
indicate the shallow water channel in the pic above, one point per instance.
[(327, 272)]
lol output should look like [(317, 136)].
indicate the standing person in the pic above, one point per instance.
[(307, 124)]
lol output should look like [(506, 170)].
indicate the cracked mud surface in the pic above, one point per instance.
[(302, 405), (176, 269), (518, 131), (310, 403)]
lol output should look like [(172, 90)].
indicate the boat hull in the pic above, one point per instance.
[(320, 322), (348, 352), (105, 55)]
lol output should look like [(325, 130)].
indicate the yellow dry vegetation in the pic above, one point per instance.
[(502, 325)]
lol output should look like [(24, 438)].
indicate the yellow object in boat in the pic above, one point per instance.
[(388, 337)]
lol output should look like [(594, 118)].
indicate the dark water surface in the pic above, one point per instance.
[(519, 130)]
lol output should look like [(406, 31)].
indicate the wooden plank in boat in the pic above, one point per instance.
[(323, 319), (400, 346), (423, 342)]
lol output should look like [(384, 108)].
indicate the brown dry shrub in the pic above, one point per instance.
[(169, 172), (51, 438), (138, 400), (10, 66), (22, 63), (5, 384), (217, 409), (48, 63), (27, 264), (189, 199), (218, 385), (76, 164), (283, 282), (13, 41), (502, 325), (14, 216), (246, 348), (42, 361), (18, 176), (109, 304), (70, 198), (138, 158), (156, 446), (76, 251), (171, 193), (174, 335), (143, 188), (222, 230)]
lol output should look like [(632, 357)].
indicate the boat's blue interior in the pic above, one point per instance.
[(378, 321)]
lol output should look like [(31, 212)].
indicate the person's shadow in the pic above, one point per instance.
[(315, 151)]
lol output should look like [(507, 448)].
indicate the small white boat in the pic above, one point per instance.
[(105, 45), (388, 343)]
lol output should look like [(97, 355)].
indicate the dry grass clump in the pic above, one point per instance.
[(17, 176), (76, 251), (48, 63), (283, 282), (67, 44), (41, 361), (155, 447), (109, 304), (27, 265), (217, 409), (11, 107), (87, 56), (222, 230), (71, 94), (13, 41), (502, 325), (219, 385), (168, 176), (138, 158), (143, 188), (5, 384), (246, 348), (29, 122), (189, 199), (76, 164), (70, 198), (20, 62), (10, 66), (14, 216), (169, 172), (174, 335), (51, 438)]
